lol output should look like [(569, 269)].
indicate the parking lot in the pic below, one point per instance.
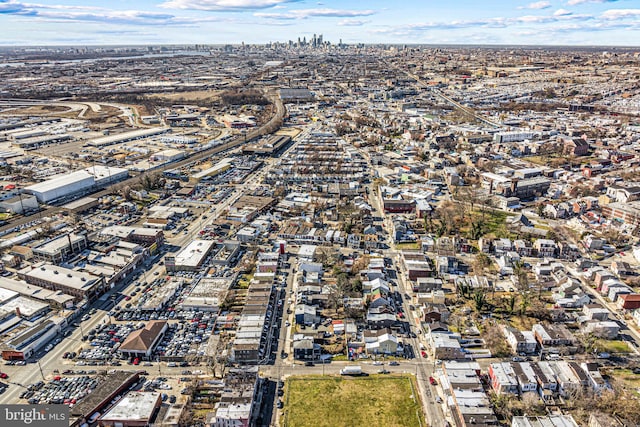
[(62, 390), (105, 339), (187, 338)]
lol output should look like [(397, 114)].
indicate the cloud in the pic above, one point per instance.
[(130, 17), (621, 13), (534, 23), (314, 13), (70, 13), (562, 12), (353, 22), (537, 5), (575, 2), (223, 5), (11, 7)]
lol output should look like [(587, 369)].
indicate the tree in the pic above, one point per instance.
[(479, 299), (463, 288), (481, 262), (441, 228), (477, 230), (522, 275), (511, 303), (524, 303)]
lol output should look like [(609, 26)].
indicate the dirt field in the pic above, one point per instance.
[(200, 95)]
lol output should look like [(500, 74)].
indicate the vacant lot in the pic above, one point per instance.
[(352, 402)]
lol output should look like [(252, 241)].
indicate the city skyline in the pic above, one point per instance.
[(565, 22)]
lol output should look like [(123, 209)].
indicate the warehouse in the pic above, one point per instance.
[(26, 308), (59, 249), (76, 182), (55, 299), (71, 282), (81, 205), (61, 186), (105, 175), (20, 204), (136, 409), (127, 136), (38, 141), (25, 344), (191, 257), (220, 167), (169, 155)]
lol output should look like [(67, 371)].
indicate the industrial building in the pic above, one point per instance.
[(135, 409), (74, 183), (36, 142), (207, 295), (191, 257), (81, 205), (75, 283), (109, 388), (127, 136), (25, 344), (169, 155), (61, 186), (145, 236), (20, 204), (55, 299), (220, 167), (59, 249)]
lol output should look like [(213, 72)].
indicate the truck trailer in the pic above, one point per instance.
[(351, 370)]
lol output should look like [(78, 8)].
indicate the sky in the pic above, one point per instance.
[(507, 22)]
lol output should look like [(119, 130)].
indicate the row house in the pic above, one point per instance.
[(525, 376), (629, 302), (503, 378), (547, 383), (521, 342), (545, 248), (553, 335)]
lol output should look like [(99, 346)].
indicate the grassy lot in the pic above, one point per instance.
[(613, 346), (493, 222), (384, 400), (630, 380), (408, 246), (523, 323)]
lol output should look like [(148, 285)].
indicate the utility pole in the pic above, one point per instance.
[(40, 367)]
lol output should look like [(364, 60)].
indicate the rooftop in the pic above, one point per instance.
[(135, 406)]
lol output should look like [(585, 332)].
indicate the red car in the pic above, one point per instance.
[(432, 381), (3, 375), (423, 353), (136, 361)]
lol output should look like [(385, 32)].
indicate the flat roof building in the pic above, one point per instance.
[(136, 409), (61, 186), (75, 283), (127, 136), (191, 257), (57, 250), (67, 185)]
